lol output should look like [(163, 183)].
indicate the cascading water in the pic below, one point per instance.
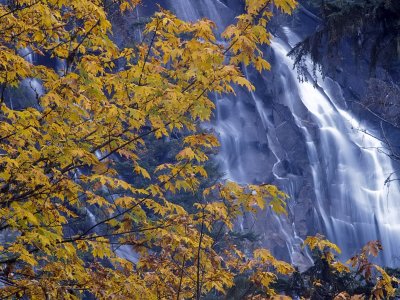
[(246, 149), (341, 173), (29, 90), (349, 171)]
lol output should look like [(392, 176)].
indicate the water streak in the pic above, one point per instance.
[(349, 172)]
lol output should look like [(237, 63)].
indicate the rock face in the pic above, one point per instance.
[(261, 143)]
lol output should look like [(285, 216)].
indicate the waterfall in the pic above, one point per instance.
[(349, 172), (247, 151), (301, 138), (29, 90)]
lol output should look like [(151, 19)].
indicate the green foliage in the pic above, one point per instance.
[(370, 26)]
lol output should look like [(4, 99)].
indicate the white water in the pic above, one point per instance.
[(356, 206), (33, 85), (236, 131), (352, 204)]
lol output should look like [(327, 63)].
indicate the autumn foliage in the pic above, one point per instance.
[(58, 157)]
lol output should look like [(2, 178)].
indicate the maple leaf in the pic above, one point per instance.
[(68, 210)]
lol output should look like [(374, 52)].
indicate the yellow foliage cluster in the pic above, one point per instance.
[(58, 157)]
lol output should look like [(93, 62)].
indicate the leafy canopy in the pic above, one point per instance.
[(57, 157)]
